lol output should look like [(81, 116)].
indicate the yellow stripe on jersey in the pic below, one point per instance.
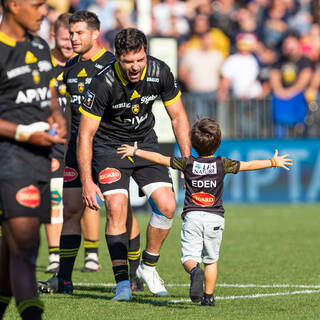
[(172, 101), (53, 60), (118, 71), (52, 83), (144, 72), (89, 115), (7, 40), (99, 54)]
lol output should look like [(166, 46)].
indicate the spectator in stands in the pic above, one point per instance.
[(200, 72), (289, 79)]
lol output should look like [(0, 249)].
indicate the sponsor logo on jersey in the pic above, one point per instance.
[(37, 44), (135, 95), (202, 169), (55, 164), (36, 76), (29, 196), (109, 175), (18, 71), (30, 58), (76, 99), (203, 199), (72, 80), (89, 99), (98, 66), (69, 174), (88, 80), (121, 105), (147, 99), (62, 89), (82, 73), (149, 79), (32, 95), (81, 87), (44, 66), (60, 77), (56, 198), (135, 108)]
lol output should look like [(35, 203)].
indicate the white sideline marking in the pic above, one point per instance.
[(108, 285)]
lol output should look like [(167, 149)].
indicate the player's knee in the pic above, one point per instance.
[(164, 206), (116, 207), (160, 221)]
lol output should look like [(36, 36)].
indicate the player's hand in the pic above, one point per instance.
[(126, 150), (282, 161), (44, 139), (58, 125), (90, 191)]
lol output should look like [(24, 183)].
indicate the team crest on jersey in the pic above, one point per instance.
[(88, 99), (62, 89), (29, 196), (135, 108), (36, 76), (135, 95), (82, 73), (81, 87), (30, 58)]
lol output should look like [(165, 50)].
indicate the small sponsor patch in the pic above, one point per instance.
[(69, 174), (201, 169), (55, 164), (89, 99), (29, 196), (203, 199), (109, 175)]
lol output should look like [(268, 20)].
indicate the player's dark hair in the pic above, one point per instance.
[(62, 21), (130, 39), (206, 136), (86, 16), (4, 4)]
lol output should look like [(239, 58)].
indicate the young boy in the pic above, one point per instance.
[(203, 212)]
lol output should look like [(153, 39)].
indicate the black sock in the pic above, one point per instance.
[(69, 246), (4, 302), (134, 254), (193, 269), (150, 259), (118, 249), (90, 246), (30, 309), (207, 296)]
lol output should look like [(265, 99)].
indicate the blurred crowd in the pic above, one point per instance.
[(229, 49)]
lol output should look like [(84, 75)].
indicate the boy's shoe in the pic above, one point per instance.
[(54, 285), (91, 263), (123, 291), (208, 301), (53, 266), (136, 285), (196, 284), (152, 279)]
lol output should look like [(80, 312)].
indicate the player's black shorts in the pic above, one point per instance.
[(71, 175), (113, 173), (57, 167), (25, 198)]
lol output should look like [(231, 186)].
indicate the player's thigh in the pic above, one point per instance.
[(25, 198), (212, 237), (192, 237)]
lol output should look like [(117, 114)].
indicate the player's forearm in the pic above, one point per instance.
[(7, 129), (153, 157), (256, 164), (84, 155), (181, 129)]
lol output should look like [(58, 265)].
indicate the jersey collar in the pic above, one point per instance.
[(7, 40)]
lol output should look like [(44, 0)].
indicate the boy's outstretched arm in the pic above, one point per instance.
[(130, 151), (275, 161)]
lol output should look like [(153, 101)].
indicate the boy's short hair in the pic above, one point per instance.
[(86, 16), (130, 39), (62, 21), (206, 136)]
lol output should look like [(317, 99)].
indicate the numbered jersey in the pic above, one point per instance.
[(204, 182), (77, 77), (125, 109), (25, 76)]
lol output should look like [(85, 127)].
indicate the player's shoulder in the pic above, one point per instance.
[(107, 56), (72, 61)]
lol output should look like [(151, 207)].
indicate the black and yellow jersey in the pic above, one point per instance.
[(77, 77), (124, 109), (25, 80), (204, 177)]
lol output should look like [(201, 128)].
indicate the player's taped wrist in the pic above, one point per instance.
[(135, 152), (274, 162), (23, 132)]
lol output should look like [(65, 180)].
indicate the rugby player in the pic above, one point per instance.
[(117, 109), (27, 112)]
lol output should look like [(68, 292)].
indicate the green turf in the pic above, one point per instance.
[(262, 245)]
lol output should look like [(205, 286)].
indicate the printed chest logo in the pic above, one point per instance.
[(203, 199), (36, 76), (109, 175), (55, 164), (89, 99), (135, 108), (62, 89), (82, 73), (29, 196), (201, 169), (30, 58), (135, 95), (81, 87), (69, 174)]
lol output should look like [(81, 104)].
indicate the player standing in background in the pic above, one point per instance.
[(27, 111), (61, 53), (117, 109)]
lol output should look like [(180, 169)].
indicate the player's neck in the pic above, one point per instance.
[(12, 29), (59, 58), (92, 52)]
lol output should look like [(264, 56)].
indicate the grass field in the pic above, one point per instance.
[(269, 269)]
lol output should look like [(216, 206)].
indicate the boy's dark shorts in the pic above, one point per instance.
[(25, 198)]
